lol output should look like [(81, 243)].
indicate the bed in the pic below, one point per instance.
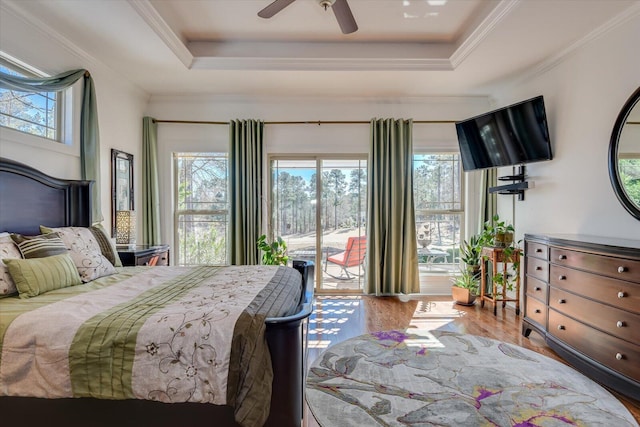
[(272, 312)]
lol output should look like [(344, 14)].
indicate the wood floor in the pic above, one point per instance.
[(337, 318)]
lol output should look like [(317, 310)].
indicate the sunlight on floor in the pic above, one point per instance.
[(334, 317)]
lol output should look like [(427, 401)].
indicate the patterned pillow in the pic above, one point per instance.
[(39, 275), (39, 246), (8, 250), (85, 252)]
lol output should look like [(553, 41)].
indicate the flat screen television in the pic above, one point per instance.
[(509, 136)]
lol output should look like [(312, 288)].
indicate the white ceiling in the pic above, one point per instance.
[(402, 48)]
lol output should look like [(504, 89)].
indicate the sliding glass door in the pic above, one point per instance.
[(318, 205)]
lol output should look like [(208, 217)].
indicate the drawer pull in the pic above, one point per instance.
[(562, 301), (622, 269), (538, 250), (619, 356), (620, 324), (538, 310), (561, 327), (537, 288), (562, 277), (621, 294), (562, 257), (538, 268)]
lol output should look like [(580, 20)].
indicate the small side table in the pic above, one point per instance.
[(497, 256), (143, 255)]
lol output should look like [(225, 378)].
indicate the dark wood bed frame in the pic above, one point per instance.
[(29, 198)]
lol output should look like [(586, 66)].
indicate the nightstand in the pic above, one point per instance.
[(144, 255)]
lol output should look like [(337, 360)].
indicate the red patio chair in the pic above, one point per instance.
[(353, 256)]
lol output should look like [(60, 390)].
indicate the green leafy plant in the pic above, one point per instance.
[(470, 250), (467, 280), (498, 233), (274, 253), (501, 232)]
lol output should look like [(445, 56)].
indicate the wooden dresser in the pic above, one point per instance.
[(582, 294)]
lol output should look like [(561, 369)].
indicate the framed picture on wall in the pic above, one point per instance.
[(121, 184)]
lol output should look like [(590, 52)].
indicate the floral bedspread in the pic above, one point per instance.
[(161, 333)]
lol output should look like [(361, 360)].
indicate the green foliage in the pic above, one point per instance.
[(630, 178), (275, 253), (470, 251), (467, 280), (497, 230), (201, 243)]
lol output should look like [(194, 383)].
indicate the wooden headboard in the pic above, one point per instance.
[(30, 198)]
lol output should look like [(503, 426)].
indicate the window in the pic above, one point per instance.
[(439, 210), (32, 113), (202, 208)]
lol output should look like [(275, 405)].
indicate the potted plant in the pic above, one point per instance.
[(470, 250), (501, 231), (465, 287), (274, 253)]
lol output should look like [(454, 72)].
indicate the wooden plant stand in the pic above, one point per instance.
[(497, 256)]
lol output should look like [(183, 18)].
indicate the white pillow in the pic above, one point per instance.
[(8, 249), (85, 252)]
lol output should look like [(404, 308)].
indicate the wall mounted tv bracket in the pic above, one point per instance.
[(518, 185)]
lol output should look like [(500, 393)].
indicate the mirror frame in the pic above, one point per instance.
[(117, 184), (613, 155)]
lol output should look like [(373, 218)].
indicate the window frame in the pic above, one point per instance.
[(177, 213), (60, 103), (461, 212)]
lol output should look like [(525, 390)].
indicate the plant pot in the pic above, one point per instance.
[(462, 296), (502, 240)]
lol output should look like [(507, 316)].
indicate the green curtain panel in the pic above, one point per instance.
[(392, 258), (488, 201), (89, 131), (245, 175), (150, 189)]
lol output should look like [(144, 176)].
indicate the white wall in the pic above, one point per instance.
[(120, 106), (583, 95), (298, 138)]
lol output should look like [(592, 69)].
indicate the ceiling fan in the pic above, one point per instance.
[(340, 8)]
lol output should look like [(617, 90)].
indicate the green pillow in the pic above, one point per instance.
[(39, 275), (40, 246)]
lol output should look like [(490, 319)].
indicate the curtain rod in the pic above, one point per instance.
[(318, 122)]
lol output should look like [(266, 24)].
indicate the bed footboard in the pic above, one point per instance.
[(287, 338)]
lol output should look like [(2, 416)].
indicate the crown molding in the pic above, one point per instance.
[(480, 31), (46, 31), (207, 99), (145, 9), (322, 56), (89, 61), (631, 13), (322, 64)]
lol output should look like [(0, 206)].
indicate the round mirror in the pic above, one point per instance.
[(624, 155)]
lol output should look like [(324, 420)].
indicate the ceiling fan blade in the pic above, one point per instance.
[(344, 16), (274, 8)]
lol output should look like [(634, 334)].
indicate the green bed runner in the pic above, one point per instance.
[(103, 350)]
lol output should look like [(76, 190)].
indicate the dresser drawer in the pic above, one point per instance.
[(537, 289), (538, 250), (536, 311), (617, 293), (619, 355), (618, 268), (537, 268), (609, 319)]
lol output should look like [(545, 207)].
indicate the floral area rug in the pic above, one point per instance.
[(425, 378)]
